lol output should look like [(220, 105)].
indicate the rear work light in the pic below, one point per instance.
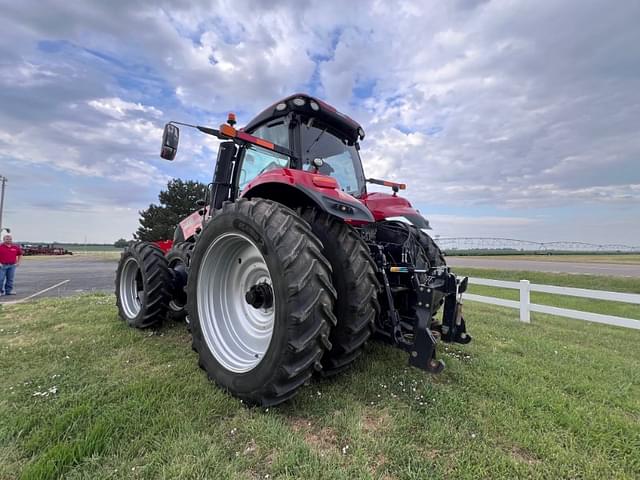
[(342, 208)]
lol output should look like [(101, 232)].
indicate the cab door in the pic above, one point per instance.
[(254, 161)]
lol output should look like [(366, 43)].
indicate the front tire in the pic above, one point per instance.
[(142, 285), (260, 301)]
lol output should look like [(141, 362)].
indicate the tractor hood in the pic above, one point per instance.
[(384, 206)]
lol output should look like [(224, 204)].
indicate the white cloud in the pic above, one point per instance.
[(508, 105), (25, 74), (117, 108), (108, 141)]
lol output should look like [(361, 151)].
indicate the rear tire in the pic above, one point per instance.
[(263, 354), (355, 281), (142, 285), (431, 256), (431, 250), (179, 258)]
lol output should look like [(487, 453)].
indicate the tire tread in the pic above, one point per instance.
[(311, 296), (156, 278), (357, 307)]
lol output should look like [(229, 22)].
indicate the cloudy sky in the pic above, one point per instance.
[(505, 118)]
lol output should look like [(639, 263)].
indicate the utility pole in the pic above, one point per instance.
[(3, 179)]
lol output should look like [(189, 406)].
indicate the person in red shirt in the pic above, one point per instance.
[(10, 255)]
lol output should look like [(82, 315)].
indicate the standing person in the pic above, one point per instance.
[(10, 255)]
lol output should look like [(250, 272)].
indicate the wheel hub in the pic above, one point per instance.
[(260, 296)]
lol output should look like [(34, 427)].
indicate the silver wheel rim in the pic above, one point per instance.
[(131, 288), (237, 334)]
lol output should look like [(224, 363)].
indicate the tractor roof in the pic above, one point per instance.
[(304, 104)]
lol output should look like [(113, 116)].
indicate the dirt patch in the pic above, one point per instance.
[(521, 455), (25, 340), (374, 421), (376, 467), (251, 448), (429, 453), (323, 440), (388, 476)]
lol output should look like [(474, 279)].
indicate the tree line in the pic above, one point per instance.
[(159, 221)]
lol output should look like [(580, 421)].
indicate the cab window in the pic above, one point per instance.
[(274, 132), (257, 160), (341, 159)]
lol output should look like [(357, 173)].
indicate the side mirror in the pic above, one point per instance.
[(170, 138), (462, 286)]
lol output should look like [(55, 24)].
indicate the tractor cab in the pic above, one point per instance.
[(322, 140), (300, 151)]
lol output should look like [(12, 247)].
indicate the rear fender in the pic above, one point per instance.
[(164, 245), (297, 188), (190, 226), (387, 207)]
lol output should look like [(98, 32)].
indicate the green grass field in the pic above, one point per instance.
[(593, 282), (84, 396), (626, 258)]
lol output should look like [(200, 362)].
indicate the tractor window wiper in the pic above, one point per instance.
[(316, 140)]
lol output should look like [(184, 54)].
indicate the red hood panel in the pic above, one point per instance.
[(298, 177), (384, 205)]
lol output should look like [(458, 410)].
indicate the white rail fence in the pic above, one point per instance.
[(526, 307)]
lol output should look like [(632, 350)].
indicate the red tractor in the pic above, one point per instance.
[(290, 265)]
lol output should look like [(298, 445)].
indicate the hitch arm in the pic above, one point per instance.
[(453, 326), (396, 333), (422, 354)]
